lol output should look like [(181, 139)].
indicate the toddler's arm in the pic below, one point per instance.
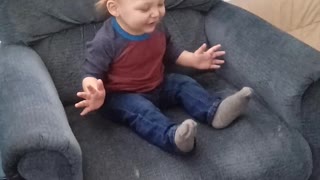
[(93, 94), (202, 58)]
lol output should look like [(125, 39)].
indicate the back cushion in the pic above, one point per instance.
[(30, 20), (199, 5), (63, 55)]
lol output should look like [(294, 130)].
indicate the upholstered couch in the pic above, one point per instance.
[(43, 137)]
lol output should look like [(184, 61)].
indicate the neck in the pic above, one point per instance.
[(125, 27), (126, 34)]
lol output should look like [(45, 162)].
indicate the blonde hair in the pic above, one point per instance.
[(101, 7)]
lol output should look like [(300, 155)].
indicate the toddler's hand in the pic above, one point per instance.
[(207, 59), (93, 99)]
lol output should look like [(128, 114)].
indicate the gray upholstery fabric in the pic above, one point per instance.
[(56, 166), (32, 118), (310, 127), (257, 146), (1, 170), (192, 37), (201, 5), (64, 59), (284, 72), (30, 20)]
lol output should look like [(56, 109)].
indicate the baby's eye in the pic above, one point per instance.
[(144, 8), (161, 4)]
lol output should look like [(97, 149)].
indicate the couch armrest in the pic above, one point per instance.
[(282, 70), (35, 138)]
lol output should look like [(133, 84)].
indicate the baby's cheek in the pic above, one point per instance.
[(162, 13)]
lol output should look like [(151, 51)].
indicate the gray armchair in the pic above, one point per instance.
[(42, 135)]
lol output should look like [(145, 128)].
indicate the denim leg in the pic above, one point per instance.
[(143, 117), (185, 91)]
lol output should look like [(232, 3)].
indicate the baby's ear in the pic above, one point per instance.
[(112, 7)]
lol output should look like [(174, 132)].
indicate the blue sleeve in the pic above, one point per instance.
[(173, 51), (98, 57)]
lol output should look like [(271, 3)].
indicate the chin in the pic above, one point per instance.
[(149, 30)]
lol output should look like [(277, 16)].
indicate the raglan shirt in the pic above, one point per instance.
[(128, 63)]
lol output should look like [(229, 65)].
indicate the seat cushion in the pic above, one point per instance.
[(257, 146)]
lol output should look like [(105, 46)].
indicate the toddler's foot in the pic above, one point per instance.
[(185, 135), (231, 107)]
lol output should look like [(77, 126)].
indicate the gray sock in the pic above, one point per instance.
[(185, 135), (231, 107)]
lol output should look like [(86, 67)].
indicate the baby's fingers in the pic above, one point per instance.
[(214, 49), (218, 53), (85, 111), (84, 95), (82, 104), (217, 61), (215, 66)]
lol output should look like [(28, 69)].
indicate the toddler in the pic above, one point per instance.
[(124, 77)]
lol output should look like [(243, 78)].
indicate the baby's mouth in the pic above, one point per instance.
[(153, 22)]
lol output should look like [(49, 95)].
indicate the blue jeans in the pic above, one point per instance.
[(141, 111)]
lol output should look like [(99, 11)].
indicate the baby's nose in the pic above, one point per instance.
[(155, 13)]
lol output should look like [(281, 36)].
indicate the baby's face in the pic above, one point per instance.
[(141, 16)]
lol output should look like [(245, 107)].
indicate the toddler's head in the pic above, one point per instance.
[(135, 16)]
